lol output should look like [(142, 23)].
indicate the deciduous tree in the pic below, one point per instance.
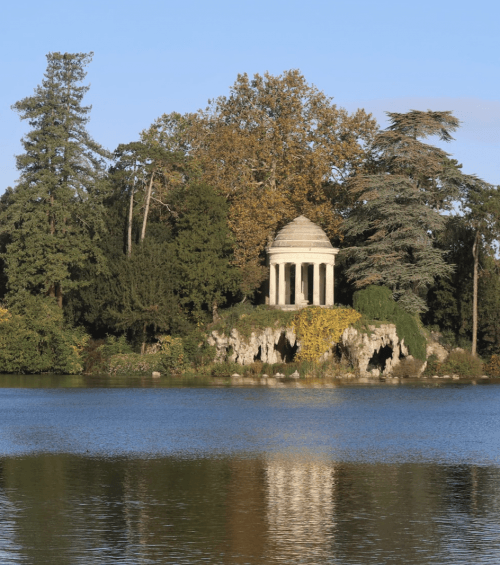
[(481, 207), (275, 148)]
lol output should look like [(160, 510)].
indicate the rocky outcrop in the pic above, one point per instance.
[(374, 353), (270, 345), (435, 348)]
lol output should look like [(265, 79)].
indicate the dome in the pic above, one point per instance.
[(301, 233)]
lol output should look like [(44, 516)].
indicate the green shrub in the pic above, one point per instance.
[(115, 346), (172, 355), (97, 353), (247, 318), (433, 366), (376, 303), (134, 364), (35, 339), (226, 369), (462, 363), (407, 368), (196, 349)]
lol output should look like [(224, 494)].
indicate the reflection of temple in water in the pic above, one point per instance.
[(300, 506)]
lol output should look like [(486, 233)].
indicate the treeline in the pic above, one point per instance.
[(158, 235)]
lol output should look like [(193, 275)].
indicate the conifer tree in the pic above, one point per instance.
[(142, 286), (53, 216), (397, 210), (204, 252)]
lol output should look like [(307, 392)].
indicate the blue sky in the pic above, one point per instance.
[(156, 57)]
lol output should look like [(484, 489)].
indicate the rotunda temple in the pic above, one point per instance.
[(301, 262)]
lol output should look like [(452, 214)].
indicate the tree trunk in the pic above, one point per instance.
[(59, 295), (146, 208), (475, 254), (215, 312), (143, 345), (130, 218)]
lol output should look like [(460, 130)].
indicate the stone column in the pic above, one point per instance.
[(329, 285), (288, 283), (316, 284), (272, 284), (281, 284), (305, 280), (298, 281)]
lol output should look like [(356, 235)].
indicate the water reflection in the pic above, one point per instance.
[(300, 508), (63, 509)]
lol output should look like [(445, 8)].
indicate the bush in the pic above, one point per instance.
[(97, 353), (493, 367), (376, 303), (407, 368), (172, 356), (34, 339), (247, 318), (134, 364), (318, 329), (462, 363), (196, 349), (433, 366), (226, 369)]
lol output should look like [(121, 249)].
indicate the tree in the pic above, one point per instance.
[(398, 204), (204, 252), (143, 286), (276, 148), (481, 207), (34, 338), (451, 300), (398, 250), (401, 151), (53, 216)]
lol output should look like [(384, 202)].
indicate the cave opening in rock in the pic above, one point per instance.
[(285, 349), (258, 356), (379, 359), (337, 353)]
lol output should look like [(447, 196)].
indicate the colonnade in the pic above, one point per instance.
[(281, 292)]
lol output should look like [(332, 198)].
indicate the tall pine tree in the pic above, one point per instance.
[(53, 216)]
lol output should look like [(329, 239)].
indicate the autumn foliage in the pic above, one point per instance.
[(318, 329)]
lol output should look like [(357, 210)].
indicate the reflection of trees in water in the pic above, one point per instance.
[(62, 509), (300, 507)]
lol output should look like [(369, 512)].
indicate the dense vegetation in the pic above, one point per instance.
[(104, 252)]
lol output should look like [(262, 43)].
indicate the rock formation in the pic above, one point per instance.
[(373, 353), (271, 345)]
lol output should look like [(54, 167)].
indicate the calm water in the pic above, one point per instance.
[(135, 471)]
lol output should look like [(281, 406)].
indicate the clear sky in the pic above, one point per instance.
[(153, 57)]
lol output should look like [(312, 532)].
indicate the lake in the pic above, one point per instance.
[(141, 471)]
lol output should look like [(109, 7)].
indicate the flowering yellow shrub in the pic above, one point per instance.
[(318, 329)]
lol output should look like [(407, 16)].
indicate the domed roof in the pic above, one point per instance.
[(301, 233)]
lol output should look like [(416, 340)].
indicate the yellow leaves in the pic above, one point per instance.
[(318, 329), (276, 148), (5, 315)]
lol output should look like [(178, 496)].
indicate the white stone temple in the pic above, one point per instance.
[(301, 262)]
